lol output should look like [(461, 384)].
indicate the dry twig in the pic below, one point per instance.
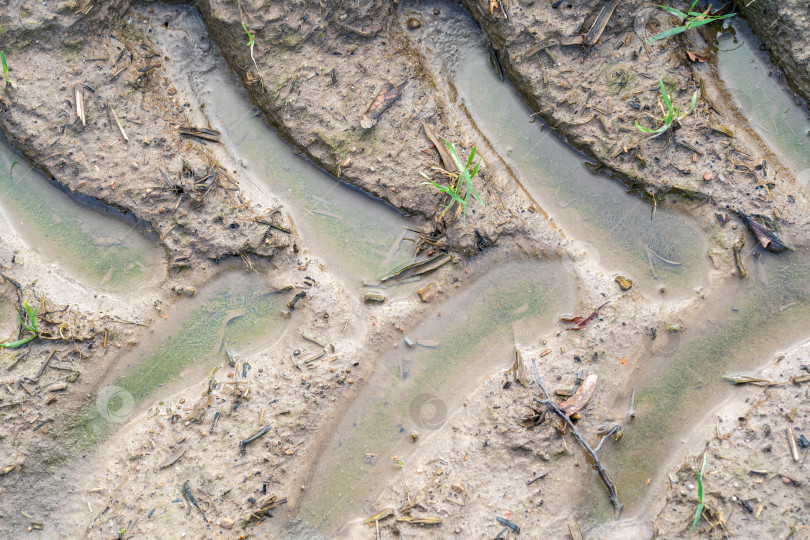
[(602, 472)]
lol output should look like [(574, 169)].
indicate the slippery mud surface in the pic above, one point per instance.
[(224, 343), (109, 253)]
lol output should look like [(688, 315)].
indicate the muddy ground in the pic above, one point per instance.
[(314, 70), (779, 25)]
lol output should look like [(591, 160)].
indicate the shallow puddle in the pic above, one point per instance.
[(97, 245), (764, 99), (680, 375), (668, 250), (414, 389), (238, 310), (358, 237)]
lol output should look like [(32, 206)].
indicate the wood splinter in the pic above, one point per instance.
[(118, 123), (80, 112)]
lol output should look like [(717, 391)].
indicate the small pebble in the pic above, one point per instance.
[(227, 524), (707, 176)]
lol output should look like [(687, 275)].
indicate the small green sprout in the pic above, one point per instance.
[(9, 82), (701, 505), (398, 463), (693, 20), (30, 324), (671, 114), (463, 182), (251, 42)]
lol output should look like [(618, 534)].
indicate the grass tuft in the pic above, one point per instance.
[(30, 324), (670, 115), (460, 189), (693, 20)]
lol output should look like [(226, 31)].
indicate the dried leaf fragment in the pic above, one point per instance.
[(582, 322), (767, 238), (582, 396), (696, 57)]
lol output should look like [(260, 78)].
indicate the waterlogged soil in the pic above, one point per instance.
[(144, 166), (753, 481), (676, 385), (594, 95), (257, 381), (447, 355), (762, 95), (781, 27), (659, 250), (97, 245), (364, 239), (238, 313)]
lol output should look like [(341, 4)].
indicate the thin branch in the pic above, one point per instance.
[(602, 472)]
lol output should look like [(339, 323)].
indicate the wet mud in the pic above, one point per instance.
[(231, 342)]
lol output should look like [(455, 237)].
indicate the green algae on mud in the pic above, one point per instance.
[(237, 310), (763, 98), (414, 389), (353, 233), (628, 238), (753, 317), (97, 245)]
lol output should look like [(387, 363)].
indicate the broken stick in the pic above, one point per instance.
[(602, 472)]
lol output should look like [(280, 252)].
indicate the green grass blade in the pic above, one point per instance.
[(674, 11), (713, 17), (453, 154), (32, 317), (667, 33), (469, 161), (692, 105), (669, 117), (5, 67), (475, 194), (472, 188), (698, 512), (445, 189), (700, 506), (694, 23), (15, 344), (652, 131)]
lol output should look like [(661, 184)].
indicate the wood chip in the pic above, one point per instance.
[(80, 105), (201, 133), (794, 450)]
